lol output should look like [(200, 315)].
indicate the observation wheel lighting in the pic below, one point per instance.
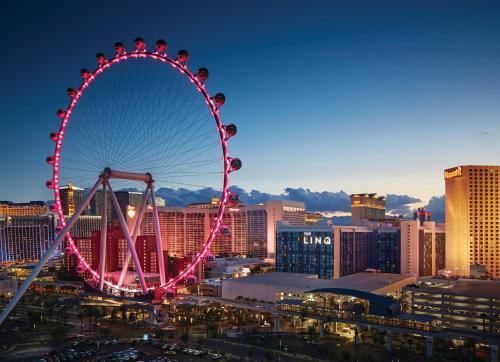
[(176, 155)]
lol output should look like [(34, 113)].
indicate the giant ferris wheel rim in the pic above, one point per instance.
[(211, 102)]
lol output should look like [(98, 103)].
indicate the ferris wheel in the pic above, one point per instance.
[(143, 121), (141, 117)]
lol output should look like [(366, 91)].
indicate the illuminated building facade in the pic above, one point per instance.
[(32, 208), (367, 206), (305, 249), (261, 221), (386, 252), (71, 197), (125, 199), (25, 238), (257, 232), (312, 218), (464, 304), (422, 247), (337, 251), (185, 229), (354, 248), (472, 220), (85, 225), (116, 251)]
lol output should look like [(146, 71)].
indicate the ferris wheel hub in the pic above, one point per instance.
[(125, 175)]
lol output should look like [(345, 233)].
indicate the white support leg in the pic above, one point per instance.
[(137, 228), (131, 247), (104, 236), (50, 251), (159, 246)]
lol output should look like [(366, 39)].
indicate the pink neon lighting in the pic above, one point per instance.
[(65, 116)]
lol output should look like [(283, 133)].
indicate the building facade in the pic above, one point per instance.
[(348, 250), (71, 197), (422, 247), (25, 238), (251, 229), (472, 220), (32, 208), (305, 249), (125, 199), (354, 249), (367, 206), (466, 304)]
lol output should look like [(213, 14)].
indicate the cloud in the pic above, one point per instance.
[(484, 134), (400, 204), (326, 202), (436, 206)]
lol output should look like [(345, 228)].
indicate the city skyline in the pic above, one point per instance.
[(424, 93)]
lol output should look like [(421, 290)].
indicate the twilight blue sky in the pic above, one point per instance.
[(360, 96)]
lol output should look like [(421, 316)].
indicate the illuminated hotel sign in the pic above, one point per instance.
[(452, 172), (309, 239)]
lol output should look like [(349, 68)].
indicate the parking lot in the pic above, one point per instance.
[(114, 350)]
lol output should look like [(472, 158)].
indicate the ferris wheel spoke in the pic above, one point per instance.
[(133, 155), (202, 149), (193, 164), (181, 137)]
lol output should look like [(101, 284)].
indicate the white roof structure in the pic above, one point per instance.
[(268, 286)]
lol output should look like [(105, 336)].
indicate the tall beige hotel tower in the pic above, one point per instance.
[(472, 222)]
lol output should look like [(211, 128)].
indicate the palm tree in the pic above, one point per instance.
[(160, 333), (492, 320), (80, 317), (484, 316), (124, 319)]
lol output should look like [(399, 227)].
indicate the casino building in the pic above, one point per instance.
[(472, 220), (412, 247), (305, 249)]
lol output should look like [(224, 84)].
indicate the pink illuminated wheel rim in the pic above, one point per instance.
[(143, 111)]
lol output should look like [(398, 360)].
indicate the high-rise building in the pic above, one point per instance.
[(367, 206), (472, 220), (71, 197), (116, 251), (386, 253), (85, 225), (32, 208), (422, 215), (422, 247), (312, 218), (305, 249), (408, 248), (353, 249), (261, 224), (125, 199), (25, 238), (185, 229)]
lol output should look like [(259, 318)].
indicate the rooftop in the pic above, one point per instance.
[(462, 286), (368, 282)]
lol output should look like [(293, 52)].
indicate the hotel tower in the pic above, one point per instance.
[(472, 222)]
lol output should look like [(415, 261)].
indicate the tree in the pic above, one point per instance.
[(484, 316), (105, 332), (58, 332), (114, 314), (160, 333), (81, 316), (270, 355)]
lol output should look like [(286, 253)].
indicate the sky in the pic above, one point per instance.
[(328, 96)]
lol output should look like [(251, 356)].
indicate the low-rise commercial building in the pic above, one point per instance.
[(272, 287)]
